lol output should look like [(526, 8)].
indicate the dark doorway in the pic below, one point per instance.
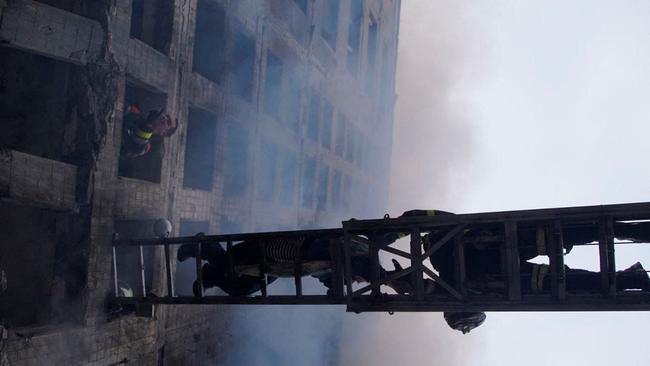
[(200, 149), (148, 166)]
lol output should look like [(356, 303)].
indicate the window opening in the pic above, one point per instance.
[(200, 148), (152, 22), (209, 41), (142, 135)]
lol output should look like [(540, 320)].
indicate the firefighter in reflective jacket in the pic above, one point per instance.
[(138, 131), (535, 278)]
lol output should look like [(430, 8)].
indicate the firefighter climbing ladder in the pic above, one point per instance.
[(458, 295)]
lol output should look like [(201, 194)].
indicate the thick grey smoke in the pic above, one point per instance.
[(433, 145), (433, 136)]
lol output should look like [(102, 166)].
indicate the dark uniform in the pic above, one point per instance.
[(279, 256)]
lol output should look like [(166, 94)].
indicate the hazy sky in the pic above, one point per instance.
[(513, 105)]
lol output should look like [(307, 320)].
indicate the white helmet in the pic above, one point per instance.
[(162, 228)]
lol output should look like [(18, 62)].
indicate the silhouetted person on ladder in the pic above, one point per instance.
[(245, 276), (483, 262)]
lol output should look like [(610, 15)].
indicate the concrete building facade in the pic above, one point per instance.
[(285, 113)]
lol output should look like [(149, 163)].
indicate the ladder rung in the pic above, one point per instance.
[(229, 261), (416, 262), (348, 266), (297, 268), (556, 259), (142, 272), (337, 268), (199, 268), (460, 270), (168, 270), (263, 266), (373, 257), (607, 256), (513, 270)]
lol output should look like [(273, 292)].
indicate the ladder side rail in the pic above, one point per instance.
[(329, 233), (513, 270), (241, 300), (629, 211)]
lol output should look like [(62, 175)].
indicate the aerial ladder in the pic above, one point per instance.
[(459, 295)]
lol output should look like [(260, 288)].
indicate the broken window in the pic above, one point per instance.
[(140, 104), (273, 86), (313, 119), (265, 179), (340, 135), (308, 182), (209, 41), (330, 21), (200, 149), (354, 35), (236, 161), (152, 22), (326, 125), (321, 194), (302, 4), (186, 270), (373, 34), (38, 105), (242, 64)]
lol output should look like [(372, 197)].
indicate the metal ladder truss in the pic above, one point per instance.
[(426, 236)]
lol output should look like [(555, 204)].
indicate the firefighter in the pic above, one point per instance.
[(484, 263), (532, 240), (138, 130), (536, 279), (246, 277)]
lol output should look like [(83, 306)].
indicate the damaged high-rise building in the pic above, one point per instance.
[(285, 115)]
